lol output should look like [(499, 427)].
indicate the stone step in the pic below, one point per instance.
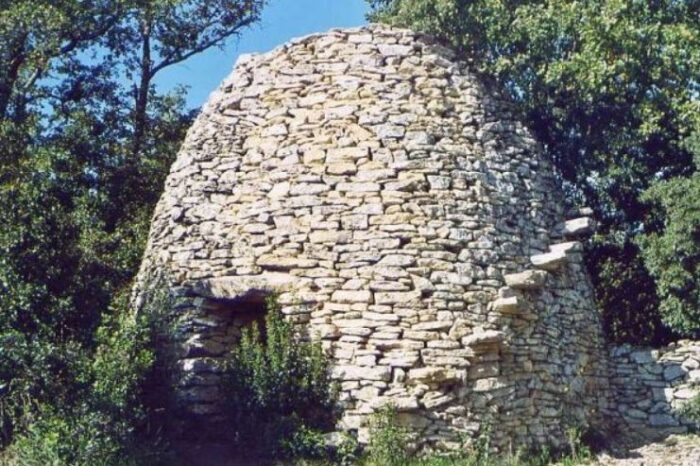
[(527, 280), (509, 305), (484, 341), (567, 247), (549, 261), (579, 212), (582, 226)]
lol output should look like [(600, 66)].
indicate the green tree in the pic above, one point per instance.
[(672, 255), (608, 86), (85, 144)]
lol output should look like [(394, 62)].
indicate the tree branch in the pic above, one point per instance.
[(177, 58)]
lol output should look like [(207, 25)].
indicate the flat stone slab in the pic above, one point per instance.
[(509, 305), (549, 261), (527, 280), (567, 247), (433, 375), (581, 226), (483, 338), (245, 286)]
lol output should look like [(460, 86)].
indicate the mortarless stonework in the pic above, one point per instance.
[(402, 214)]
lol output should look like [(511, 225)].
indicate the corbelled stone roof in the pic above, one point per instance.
[(405, 217)]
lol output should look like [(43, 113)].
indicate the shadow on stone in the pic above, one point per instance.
[(649, 387)]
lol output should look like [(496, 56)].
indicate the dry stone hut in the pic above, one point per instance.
[(403, 216)]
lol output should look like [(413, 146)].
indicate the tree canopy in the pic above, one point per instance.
[(86, 140)]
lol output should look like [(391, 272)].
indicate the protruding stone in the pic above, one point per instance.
[(567, 248), (507, 305), (484, 339), (527, 280), (581, 226), (550, 261), (430, 375)]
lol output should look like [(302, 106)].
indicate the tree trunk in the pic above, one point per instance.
[(8, 81), (141, 104)]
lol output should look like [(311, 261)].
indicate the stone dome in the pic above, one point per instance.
[(392, 201)]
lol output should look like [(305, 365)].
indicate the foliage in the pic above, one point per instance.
[(610, 89), (388, 440), (105, 420), (690, 411), (85, 145), (280, 389), (672, 255), (347, 451), (626, 294), (389, 446)]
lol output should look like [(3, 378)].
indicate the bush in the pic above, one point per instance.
[(106, 419), (388, 441), (389, 447), (690, 411), (280, 390)]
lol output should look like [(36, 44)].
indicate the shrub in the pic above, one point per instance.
[(690, 411), (105, 420), (280, 390), (388, 441)]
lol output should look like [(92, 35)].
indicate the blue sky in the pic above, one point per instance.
[(281, 21)]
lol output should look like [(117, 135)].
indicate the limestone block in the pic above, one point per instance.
[(400, 359), (285, 263), (198, 345), (391, 50), (391, 297), (248, 285), (330, 236), (460, 328), (400, 403), (579, 227), (662, 420), (433, 375), (202, 365), (432, 400), (326, 331), (390, 132), (484, 338), (673, 372), (567, 247), (488, 384), (347, 372), (352, 296), (433, 325), (509, 305), (526, 280), (550, 261), (485, 370)]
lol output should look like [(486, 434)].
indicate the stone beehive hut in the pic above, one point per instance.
[(402, 215)]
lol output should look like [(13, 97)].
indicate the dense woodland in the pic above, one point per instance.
[(609, 87)]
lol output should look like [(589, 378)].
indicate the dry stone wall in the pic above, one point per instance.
[(403, 215), (651, 386)]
